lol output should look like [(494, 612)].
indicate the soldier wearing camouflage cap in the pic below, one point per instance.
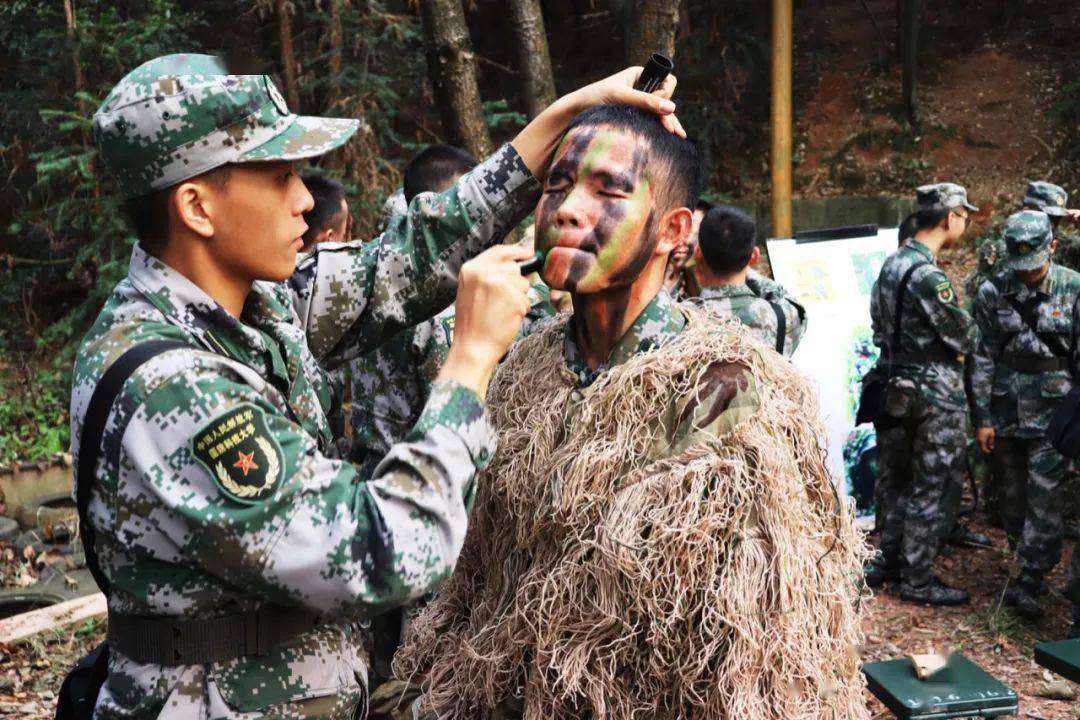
[(924, 338), (239, 551), (1026, 315)]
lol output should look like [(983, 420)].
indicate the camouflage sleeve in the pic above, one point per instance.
[(875, 318), (351, 298), (386, 397), (984, 307), (794, 312), (215, 469), (934, 296)]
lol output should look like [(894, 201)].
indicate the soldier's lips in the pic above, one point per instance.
[(582, 244)]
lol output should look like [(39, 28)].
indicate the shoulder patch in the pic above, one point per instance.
[(240, 454)]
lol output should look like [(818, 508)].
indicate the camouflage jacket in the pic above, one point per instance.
[(933, 325), (391, 384), (753, 304), (1020, 403), (659, 323), (214, 491)]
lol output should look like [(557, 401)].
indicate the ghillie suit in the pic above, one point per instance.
[(665, 542)]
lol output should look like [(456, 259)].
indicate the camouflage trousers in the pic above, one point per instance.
[(1030, 476), (921, 465)]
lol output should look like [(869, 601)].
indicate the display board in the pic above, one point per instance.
[(832, 279)]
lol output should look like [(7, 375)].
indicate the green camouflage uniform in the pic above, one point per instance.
[(921, 443), (752, 303), (990, 249), (215, 492), (391, 384), (1018, 400)]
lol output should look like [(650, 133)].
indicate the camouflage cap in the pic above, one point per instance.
[(179, 116), (1048, 197), (1027, 240), (942, 196)]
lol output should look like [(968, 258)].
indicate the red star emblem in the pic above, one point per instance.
[(246, 462)]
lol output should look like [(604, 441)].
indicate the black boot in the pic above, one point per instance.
[(933, 592), (1023, 596), (877, 572), (963, 535)]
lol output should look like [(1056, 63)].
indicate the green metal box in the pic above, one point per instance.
[(1063, 657), (960, 689)]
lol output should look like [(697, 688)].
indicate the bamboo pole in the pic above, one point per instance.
[(781, 118)]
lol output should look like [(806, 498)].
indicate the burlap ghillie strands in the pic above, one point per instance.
[(619, 568)]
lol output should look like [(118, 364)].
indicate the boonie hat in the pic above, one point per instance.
[(942, 196), (1027, 240), (178, 116), (1048, 197)]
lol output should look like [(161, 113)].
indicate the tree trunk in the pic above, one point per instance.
[(534, 60), (76, 63), (288, 56), (911, 55), (336, 42), (452, 70), (652, 30)]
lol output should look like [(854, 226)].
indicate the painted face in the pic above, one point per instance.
[(595, 220)]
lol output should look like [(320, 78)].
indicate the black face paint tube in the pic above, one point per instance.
[(656, 70), (530, 266)]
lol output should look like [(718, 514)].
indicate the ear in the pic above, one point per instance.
[(674, 230), (192, 205), (755, 256), (1053, 246)]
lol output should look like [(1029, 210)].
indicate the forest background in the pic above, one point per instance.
[(998, 103)]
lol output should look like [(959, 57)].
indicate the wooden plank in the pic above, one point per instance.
[(19, 627)]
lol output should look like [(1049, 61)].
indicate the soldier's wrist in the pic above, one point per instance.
[(470, 364)]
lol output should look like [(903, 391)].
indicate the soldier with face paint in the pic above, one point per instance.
[(629, 397)]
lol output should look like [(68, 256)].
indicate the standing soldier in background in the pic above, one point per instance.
[(924, 338), (1025, 315), (725, 251), (990, 253)]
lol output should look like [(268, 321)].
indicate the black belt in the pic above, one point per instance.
[(202, 641), (925, 357), (1031, 365)]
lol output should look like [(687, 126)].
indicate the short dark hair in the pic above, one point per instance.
[(929, 219), (149, 214), (906, 230), (328, 194), (727, 237), (434, 168), (678, 156)]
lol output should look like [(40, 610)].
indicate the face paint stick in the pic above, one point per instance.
[(655, 72), (530, 266)]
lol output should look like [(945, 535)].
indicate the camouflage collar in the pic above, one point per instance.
[(186, 305), (921, 249), (659, 320), (719, 292)]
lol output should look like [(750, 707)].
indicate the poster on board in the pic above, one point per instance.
[(832, 278)]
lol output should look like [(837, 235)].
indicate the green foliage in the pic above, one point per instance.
[(499, 117)]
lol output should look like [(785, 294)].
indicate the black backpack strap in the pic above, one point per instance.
[(901, 291), (93, 429), (781, 326)]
